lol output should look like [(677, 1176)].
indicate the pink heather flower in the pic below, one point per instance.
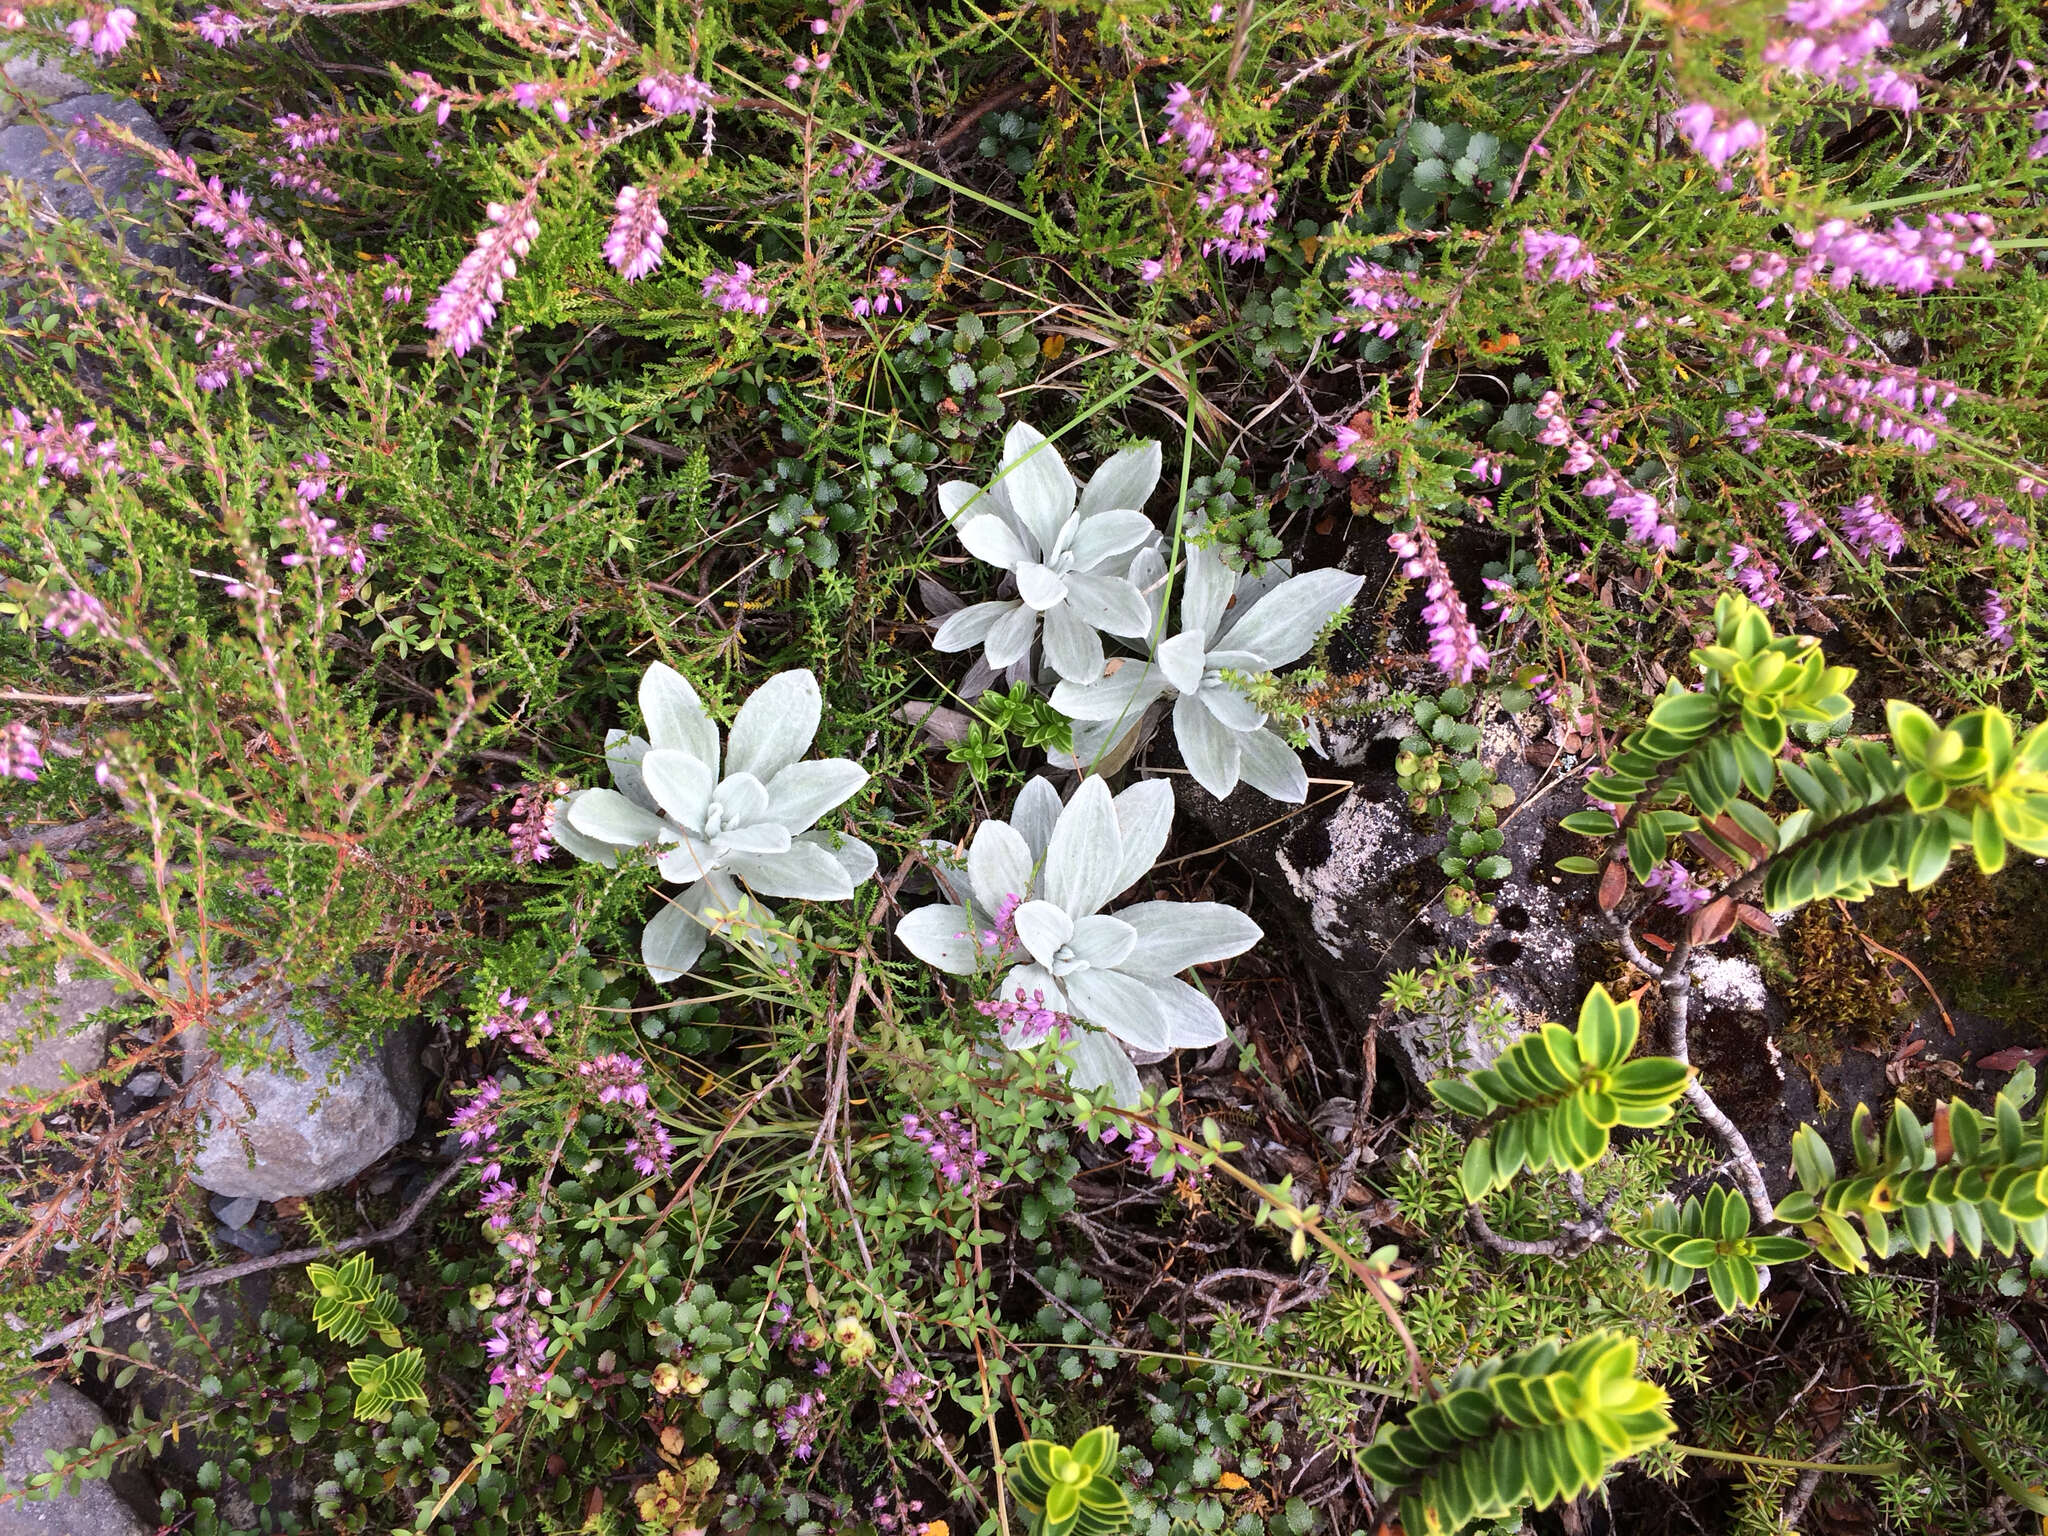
[(1379, 293), (476, 1123), (1345, 450), (77, 610), (1675, 887), (1889, 88), (1868, 528), (1746, 428), (621, 1089), (734, 290), (1756, 574), (1832, 37), (1025, 1021), (1713, 138), (432, 97), (667, 94), (1567, 255), (2039, 123), (105, 32), (1641, 511), (1887, 401), (633, 247), (464, 308), (1485, 469), (1237, 187), (533, 821), (56, 448), (12, 18), (1186, 121), (1144, 1151), (1454, 645), (1911, 260), (862, 168), (308, 132), (1151, 269), (227, 361), (2008, 530), (511, 1022), (885, 291), (1997, 620), (20, 756), (222, 28), (956, 1158), (1802, 527)]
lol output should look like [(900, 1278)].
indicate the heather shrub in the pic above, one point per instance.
[(1646, 396)]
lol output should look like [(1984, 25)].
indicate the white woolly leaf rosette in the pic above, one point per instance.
[(1067, 552), (715, 831), (1030, 899), (1223, 736)]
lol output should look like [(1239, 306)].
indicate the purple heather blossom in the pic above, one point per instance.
[(734, 290), (1887, 401), (885, 292), (1454, 645), (77, 610), (1676, 888), (464, 308), (476, 1123), (1868, 527), (794, 1426), (2039, 123), (667, 94), (1143, 1150), (1151, 269), (633, 247), (433, 97), (1379, 293), (308, 132), (1568, 258), (623, 1090), (1910, 260), (1346, 449), (862, 168), (955, 1155), (1025, 1021), (230, 358), (532, 820), (1236, 188), (220, 27), (104, 31), (56, 448), (1644, 514), (1746, 428), (1997, 620), (905, 1388), (1713, 137), (1485, 469), (1756, 574), (20, 756), (2007, 528), (512, 1022)]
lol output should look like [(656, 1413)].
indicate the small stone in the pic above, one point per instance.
[(236, 1213), (146, 1085), (157, 1255), (258, 1242), (60, 1418), (306, 1123), (76, 1046), (43, 81)]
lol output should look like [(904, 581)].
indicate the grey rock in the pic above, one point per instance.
[(238, 1212), (62, 1419), (122, 178), (146, 1085), (42, 80), (308, 1122), (257, 1241), (1921, 23), (78, 1043)]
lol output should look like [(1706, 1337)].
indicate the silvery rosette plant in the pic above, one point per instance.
[(1030, 897), (1067, 550), (715, 832), (1223, 736)]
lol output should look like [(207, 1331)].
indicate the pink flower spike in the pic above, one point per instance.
[(633, 247)]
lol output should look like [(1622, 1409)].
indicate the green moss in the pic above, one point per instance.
[(1979, 940)]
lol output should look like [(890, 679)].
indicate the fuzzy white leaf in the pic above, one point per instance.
[(1107, 535), (1207, 598), (609, 817), (1102, 942), (802, 870), (1035, 814), (1209, 748), (1233, 711), (969, 627), (673, 940), (1272, 767), (1109, 603), (1043, 929), (1010, 640), (854, 856), (680, 783), (755, 840), (589, 849), (1040, 585), (1072, 648), (622, 754), (941, 935), (1125, 479), (1144, 815), (775, 726), (1122, 695), (1180, 660), (1086, 853), (675, 718), (1040, 489), (999, 865), (990, 541), (1096, 1064), (1284, 623), (804, 791), (1128, 1008), (1173, 935)]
